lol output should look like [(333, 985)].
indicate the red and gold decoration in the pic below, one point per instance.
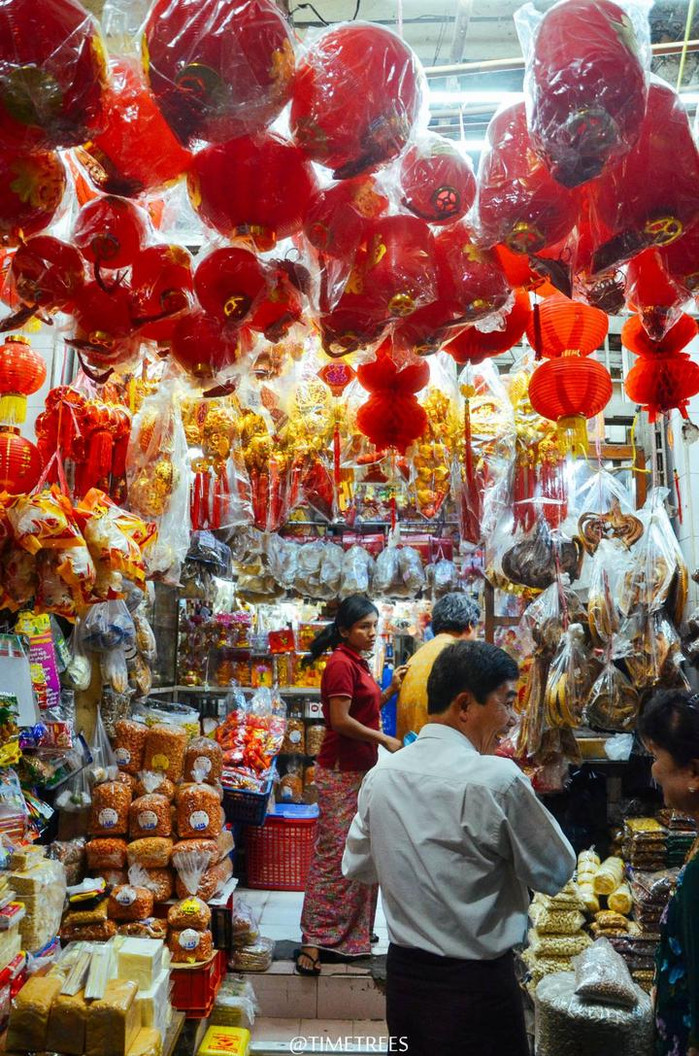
[(22, 373)]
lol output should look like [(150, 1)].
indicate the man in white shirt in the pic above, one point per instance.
[(455, 836)]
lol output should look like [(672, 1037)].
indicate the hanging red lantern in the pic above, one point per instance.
[(519, 202), (680, 259), (336, 218), (52, 72), (357, 321), (281, 304), (652, 293), (471, 278), (635, 337), (20, 463), (254, 188), (22, 372), (109, 231), (426, 330), (162, 286), (137, 152), (559, 326), (228, 283), (588, 88), (392, 416), (435, 181), (104, 326), (473, 346), (47, 273), (218, 68), (398, 267), (568, 391), (662, 383), (203, 347), (31, 190), (356, 98)]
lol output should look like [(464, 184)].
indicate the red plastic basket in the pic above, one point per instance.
[(279, 853), (194, 989)]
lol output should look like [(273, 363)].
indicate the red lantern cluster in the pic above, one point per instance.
[(392, 416), (664, 378)]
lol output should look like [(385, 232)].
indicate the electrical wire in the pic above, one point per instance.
[(309, 7)]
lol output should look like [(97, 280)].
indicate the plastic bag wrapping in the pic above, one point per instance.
[(43, 891), (536, 556), (245, 928), (107, 626), (254, 958), (601, 975), (568, 1026), (548, 616), (442, 577), (586, 83), (236, 1004), (569, 679), (150, 781), (613, 701), (357, 572), (608, 570), (433, 454), (651, 651), (203, 761), (659, 576), (114, 671), (78, 673), (190, 867), (159, 881)]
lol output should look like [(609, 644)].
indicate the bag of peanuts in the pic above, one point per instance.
[(198, 811), (150, 816)]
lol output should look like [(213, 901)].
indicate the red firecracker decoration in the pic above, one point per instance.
[(20, 463), (471, 278), (559, 326), (436, 182), (47, 273), (664, 378), (229, 283), (137, 152), (253, 188), (399, 266), (218, 68), (203, 346), (587, 86), (109, 231), (22, 372), (652, 293), (336, 219), (31, 190), (473, 346), (52, 73), (162, 286), (568, 391), (392, 416), (356, 98)]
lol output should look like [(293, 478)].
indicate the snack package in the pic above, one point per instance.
[(188, 946), (129, 744), (106, 853), (150, 815), (108, 625), (203, 761), (658, 578), (150, 781), (160, 882), (150, 852), (601, 975), (130, 903), (190, 866), (198, 811), (246, 924), (109, 815), (164, 750), (189, 913)]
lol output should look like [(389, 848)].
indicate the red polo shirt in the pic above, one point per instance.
[(348, 675)]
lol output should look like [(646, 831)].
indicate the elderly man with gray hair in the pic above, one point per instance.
[(455, 617)]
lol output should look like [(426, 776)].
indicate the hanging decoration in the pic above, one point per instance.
[(568, 391), (559, 326), (392, 416), (663, 378), (22, 373)]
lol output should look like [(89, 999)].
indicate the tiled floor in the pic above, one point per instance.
[(281, 915)]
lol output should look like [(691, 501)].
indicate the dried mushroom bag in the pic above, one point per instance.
[(613, 702), (387, 577), (601, 975), (331, 569), (659, 575), (569, 680)]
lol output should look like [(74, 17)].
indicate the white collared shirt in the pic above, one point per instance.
[(454, 839)]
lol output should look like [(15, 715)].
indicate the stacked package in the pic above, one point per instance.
[(556, 935), (645, 843), (40, 885), (681, 834), (651, 893)]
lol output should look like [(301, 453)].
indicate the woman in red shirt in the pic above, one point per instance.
[(338, 914)]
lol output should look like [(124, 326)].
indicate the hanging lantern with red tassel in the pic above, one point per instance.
[(229, 283), (163, 290), (22, 373), (663, 378), (559, 326), (568, 391)]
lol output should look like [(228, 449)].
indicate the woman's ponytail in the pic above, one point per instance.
[(351, 611)]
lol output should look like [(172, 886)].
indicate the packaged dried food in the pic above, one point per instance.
[(198, 811), (88, 932), (608, 918), (245, 929), (589, 859), (621, 900), (113, 877), (129, 745), (189, 946), (235, 1004), (225, 843), (164, 750), (150, 816), (114, 1020), (556, 921), (154, 781), (152, 928), (160, 881), (569, 1026), (613, 702), (127, 779), (66, 1025), (130, 903), (151, 852), (95, 915), (109, 814), (211, 882), (314, 738), (601, 975), (106, 853), (609, 876), (589, 898), (190, 866), (569, 680), (207, 847), (189, 913), (203, 761), (294, 737), (558, 945), (254, 958), (29, 1015)]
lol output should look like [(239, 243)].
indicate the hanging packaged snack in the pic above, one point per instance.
[(198, 811), (549, 615), (203, 761), (658, 578), (150, 815), (130, 903), (109, 815), (609, 567), (613, 702), (164, 750)]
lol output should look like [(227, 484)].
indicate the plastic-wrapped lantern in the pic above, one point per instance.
[(473, 346), (661, 383), (282, 303), (652, 293), (228, 283), (392, 416), (52, 72), (519, 202), (356, 321), (336, 217), (47, 273), (436, 182), (31, 190), (680, 259), (203, 346), (425, 331), (137, 151), (256, 188), (559, 326), (472, 278), (109, 231), (104, 326), (22, 372), (218, 68), (635, 337), (399, 267), (162, 284), (587, 88), (20, 463), (568, 391), (356, 98)]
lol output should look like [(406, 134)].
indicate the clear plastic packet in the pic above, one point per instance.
[(189, 913), (613, 701), (236, 1004), (206, 549), (357, 572), (254, 958), (609, 567), (569, 679), (103, 758), (245, 926), (537, 556), (331, 570), (78, 672), (601, 975), (114, 670), (107, 626), (411, 570), (651, 650), (145, 636), (159, 881), (659, 576), (548, 616), (150, 781), (442, 577), (387, 577), (190, 867), (203, 761)]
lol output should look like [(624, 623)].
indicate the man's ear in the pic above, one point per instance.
[(462, 702)]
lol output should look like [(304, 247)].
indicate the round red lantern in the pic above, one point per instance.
[(22, 372), (653, 294), (254, 188), (162, 284), (680, 259), (587, 86), (20, 463), (568, 391), (228, 283), (425, 331), (31, 190), (399, 265), (137, 152), (335, 221), (661, 383), (559, 326), (109, 231), (635, 337), (203, 347), (104, 325), (52, 72), (356, 321), (473, 346), (356, 97), (392, 416), (471, 278), (436, 182), (281, 304), (47, 273), (519, 203), (218, 68)]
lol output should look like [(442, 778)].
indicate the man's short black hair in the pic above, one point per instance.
[(475, 667)]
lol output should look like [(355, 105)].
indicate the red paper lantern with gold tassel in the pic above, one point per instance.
[(22, 373), (20, 463), (568, 391)]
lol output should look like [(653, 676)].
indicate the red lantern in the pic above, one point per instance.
[(218, 68), (109, 231), (337, 216), (282, 304), (162, 285), (425, 331), (471, 278), (661, 383), (228, 283), (559, 326), (357, 321), (22, 372), (652, 293), (568, 391), (588, 88), (519, 203), (52, 72), (104, 325), (392, 416), (47, 273), (635, 337), (137, 151), (398, 267), (356, 97), (203, 347), (436, 181), (473, 346), (31, 190), (20, 464), (256, 188), (680, 259)]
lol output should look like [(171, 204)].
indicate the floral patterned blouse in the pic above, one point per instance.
[(677, 968)]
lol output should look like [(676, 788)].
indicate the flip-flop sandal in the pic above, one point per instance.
[(314, 962)]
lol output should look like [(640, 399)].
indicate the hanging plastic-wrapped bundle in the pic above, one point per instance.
[(680, 259), (203, 347), (52, 73), (636, 338), (586, 83), (137, 151), (471, 278), (110, 231), (267, 199), (435, 181), (229, 283), (336, 218), (20, 463), (357, 321), (47, 273), (392, 416), (356, 97), (163, 290), (399, 267), (22, 373), (568, 391), (651, 293), (281, 303), (104, 327), (473, 346), (218, 68), (31, 190)]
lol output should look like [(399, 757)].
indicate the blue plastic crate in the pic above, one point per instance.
[(250, 808), (294, 811)]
